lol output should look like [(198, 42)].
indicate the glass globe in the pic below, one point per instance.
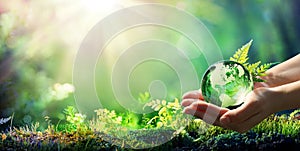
[(226, 84)]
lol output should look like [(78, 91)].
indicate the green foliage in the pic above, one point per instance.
[(284, 124), (241, 55), (294, 114), (131, 120), (50, 127), (275, 131), (169, 121), (169, 114), (253, 67), (165, 115), (23, 57), (144, 97), (75, 119), (33, 127), (21, 36), (107, 122), (256, 69), (260, 71)]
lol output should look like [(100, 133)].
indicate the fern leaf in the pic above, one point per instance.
[(241, 55), (252, 67), (263, 68)]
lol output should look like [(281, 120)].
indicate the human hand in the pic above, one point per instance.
[(195, 105), (259, 104)]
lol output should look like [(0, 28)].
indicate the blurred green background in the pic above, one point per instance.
[(39, 40)]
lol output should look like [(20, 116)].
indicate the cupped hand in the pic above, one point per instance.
[(194, 104), (258, 104)]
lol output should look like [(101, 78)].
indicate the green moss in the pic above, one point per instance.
[(275, 131)]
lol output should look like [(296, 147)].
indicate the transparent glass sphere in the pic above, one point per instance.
[(226, 84)]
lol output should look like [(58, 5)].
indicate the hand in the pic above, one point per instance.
[(259, 104), (195, 105)]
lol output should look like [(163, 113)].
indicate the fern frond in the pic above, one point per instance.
[(260, 71), (241, 55), (255, 69), (252, 67)]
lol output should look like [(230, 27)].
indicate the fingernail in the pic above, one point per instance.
[(225, 120)]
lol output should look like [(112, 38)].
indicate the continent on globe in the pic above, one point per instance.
[(226, 84)]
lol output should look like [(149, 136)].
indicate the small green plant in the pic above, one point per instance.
[(76, 120), (169, 115), (283, 124), (256, 69), (50, 127), (131, 120), (275, 131), (32, 128), (107, 122), (295, 114)]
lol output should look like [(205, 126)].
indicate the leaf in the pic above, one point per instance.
[(294, 113), (164, 102), (252, 67), (162, 111), (69, 110), (159, 124), (260, 71), (156, 107), (255, 69), (241, 55), (152, 119), (144, 97)]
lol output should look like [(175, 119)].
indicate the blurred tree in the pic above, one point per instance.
[(286, 17)]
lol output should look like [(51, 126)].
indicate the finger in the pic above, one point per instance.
[(204, 115), (201, 115), (247, 124), (207, 112), (210, 109), (196, 113), (213, 113), (196, 94), (240, 127), (199, 106), (260, 84), (187, 102), (241, 113), (250, 107)]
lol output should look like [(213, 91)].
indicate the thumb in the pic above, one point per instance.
[(225, 118), (245, 111), (239, 114)]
